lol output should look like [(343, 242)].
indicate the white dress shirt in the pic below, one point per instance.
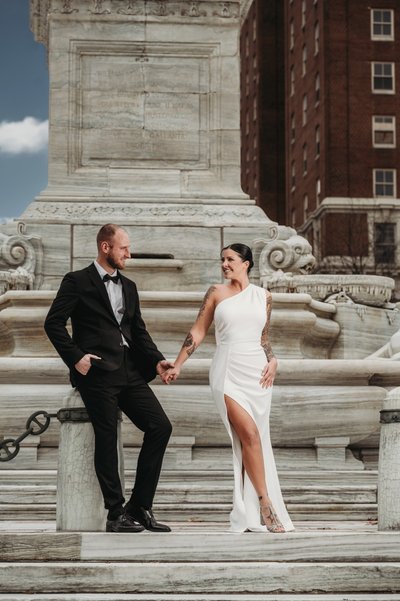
[(115, 294)]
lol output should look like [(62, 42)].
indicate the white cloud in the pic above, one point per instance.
[(29, 135)]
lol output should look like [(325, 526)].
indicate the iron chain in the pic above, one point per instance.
[(36, 424)]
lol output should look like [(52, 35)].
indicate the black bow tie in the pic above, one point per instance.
[(113, 278)]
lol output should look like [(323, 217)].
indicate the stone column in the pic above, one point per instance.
[(144, 130), (80, 505), (389, 464)]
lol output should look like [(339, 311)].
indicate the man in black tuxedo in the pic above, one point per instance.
[(111, 357)]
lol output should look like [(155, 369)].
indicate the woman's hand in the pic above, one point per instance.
[(171, 375), (268, 373)]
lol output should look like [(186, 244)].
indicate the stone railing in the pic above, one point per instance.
[(369, 290)]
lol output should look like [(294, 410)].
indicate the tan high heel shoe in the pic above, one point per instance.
[(270, 519)]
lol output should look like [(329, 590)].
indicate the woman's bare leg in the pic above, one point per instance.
[(253, 459)]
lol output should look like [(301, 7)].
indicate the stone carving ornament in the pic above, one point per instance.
[(21, 259), (286, 252), (158, 8), (131, 8), (98, 8)]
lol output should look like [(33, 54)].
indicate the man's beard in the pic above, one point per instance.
[(113, 264)]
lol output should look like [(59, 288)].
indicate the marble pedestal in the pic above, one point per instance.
[(80, 505), (144, 131), (389, 464)]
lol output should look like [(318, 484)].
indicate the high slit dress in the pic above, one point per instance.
[(235, 371)]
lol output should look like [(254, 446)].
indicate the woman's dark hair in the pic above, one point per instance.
[(243, 251)]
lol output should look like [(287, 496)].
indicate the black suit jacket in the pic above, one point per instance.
[(83, 297)]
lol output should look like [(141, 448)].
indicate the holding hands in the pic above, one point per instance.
[(171, 375)]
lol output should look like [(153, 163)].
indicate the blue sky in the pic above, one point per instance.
[(23, 95)]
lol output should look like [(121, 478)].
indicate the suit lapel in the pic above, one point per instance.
[(128, 298), (129, 307), (97, 281)]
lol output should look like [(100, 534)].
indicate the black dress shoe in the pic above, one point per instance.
[(124, 523), (147, 519)]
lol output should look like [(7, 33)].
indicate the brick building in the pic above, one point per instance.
[(320, 144)]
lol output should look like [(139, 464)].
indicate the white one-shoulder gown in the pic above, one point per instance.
[(235, 371)]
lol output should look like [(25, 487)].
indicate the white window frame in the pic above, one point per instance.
[(317, 85), (293, 175), (317, 141), (292, 128), (318, 192), (305, 207), (293, 218), (303, 13), (382, 37), (304, 61), (304, 110), (384, 127), (291, 34), (292, 80), (305, 160), (316, 38), (373, 75), (394, 172)]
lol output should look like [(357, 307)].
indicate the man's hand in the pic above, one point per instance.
[(162, 367), (171, 375), (84, 364)]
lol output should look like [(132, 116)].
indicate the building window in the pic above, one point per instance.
[(385, 243), (304, 61), (291, 34), (294, 218), (316, 38), (305, 159), (382, 24), (317, 88), (318, 191), (292, 129), (303, 13), (385, 183), (292, 80), (293, 176), (305, 103), (317, 141), (383, 78), (255, 108), (384, 132), (305, 207)]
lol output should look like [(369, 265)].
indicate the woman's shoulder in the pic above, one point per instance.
[(263, 292)]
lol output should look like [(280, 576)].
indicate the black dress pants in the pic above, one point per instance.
[(103, 393)]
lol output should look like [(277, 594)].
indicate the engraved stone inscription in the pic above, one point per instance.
[(133, 112)]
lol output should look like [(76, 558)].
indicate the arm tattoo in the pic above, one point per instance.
[(266, 345), (205, 299), (189, 344)]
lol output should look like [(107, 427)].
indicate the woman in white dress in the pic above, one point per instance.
[(241, 377)]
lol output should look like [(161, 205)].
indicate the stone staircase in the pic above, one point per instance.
[(205, 495), (317, 562), (324, 424)]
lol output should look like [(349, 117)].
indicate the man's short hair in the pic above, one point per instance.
[(106, 233)]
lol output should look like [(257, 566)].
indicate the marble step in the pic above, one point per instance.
[(212, 492), (205, 543), (195, 597), (203, 512), (201, 577), (287, 477)]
